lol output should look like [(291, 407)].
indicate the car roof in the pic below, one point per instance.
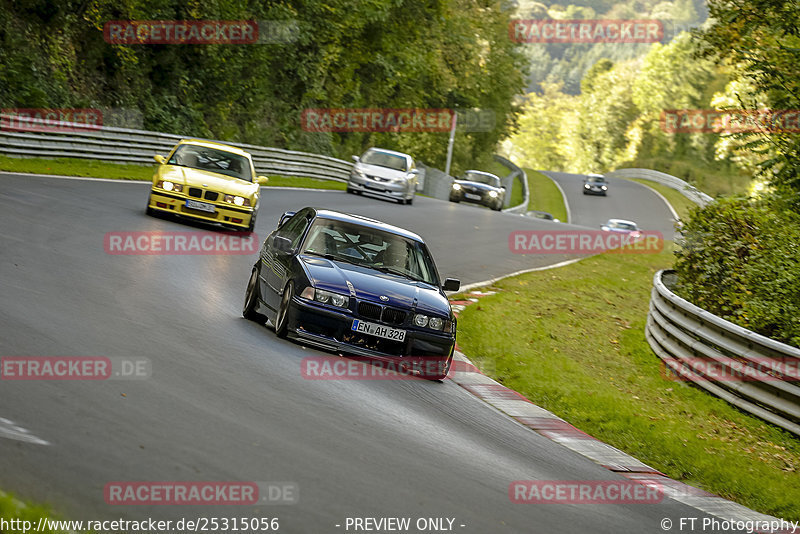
[(212, 144), (623, 221), (365, 221), (482, 172), (387, 151)]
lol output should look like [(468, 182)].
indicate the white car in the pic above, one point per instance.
[(385, 173), (621, 226)]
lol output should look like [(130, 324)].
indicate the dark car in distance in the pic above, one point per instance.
[(595, 184), (480, 188), (355, 286)]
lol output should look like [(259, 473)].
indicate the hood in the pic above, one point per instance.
[(197, 178), (380, 172), (369, 284), (479, 186)]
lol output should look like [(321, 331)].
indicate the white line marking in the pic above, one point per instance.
[(10, 430), (563, 195), (524, 271)]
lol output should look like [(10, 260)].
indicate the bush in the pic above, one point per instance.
[(740, 259)]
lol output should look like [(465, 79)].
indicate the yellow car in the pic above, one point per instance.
[(207, 181)]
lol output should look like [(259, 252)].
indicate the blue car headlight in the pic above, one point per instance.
[(434, 323), (326, 297)]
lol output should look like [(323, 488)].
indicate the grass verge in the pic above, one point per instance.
[(710, 179), (572, 341), (545, 195), (116, 171), (12, 508)]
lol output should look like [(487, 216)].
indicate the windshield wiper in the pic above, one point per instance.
[(398, 272), (329, 256)]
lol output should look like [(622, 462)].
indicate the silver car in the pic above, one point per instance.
[(384, 173)]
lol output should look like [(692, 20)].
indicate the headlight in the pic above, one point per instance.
[(604, 188), (493, 194), (328, 297), (358, 172), (421, 320), (456, 187), (586, 186), (169, 186), (435, 323), (239, 201)]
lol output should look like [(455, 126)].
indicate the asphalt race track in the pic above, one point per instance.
[(625, 200), (226, 400)]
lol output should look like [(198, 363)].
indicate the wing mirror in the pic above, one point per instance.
[(356, 159), (451, 284), (160, 159), (262, 180)]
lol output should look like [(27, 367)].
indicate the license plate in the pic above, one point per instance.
[(472, 196), (200, 206), (372, 185), (378, 330)]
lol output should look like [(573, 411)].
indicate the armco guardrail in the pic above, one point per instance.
[(689, 191), (750, 371), (33, 138), (508, 181)]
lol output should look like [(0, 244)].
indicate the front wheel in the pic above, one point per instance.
[(251, 300), (281, 321)]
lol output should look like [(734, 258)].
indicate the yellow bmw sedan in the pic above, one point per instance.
[(207, 181)]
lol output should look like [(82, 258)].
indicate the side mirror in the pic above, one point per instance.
[(414, 171), (282, 244), (355, 158), (262, 180), (160, 159), (451, 284)]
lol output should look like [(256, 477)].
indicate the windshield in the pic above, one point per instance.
[(481, 178), (597, 180), (622, 225), (384, 159), (370, 247), (211, 159)]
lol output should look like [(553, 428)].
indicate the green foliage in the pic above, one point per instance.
[(740, 259), (762, 39), (367, 54)]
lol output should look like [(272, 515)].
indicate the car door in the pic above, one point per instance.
[(278, 264)]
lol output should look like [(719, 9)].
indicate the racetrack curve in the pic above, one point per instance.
[(226, 400)]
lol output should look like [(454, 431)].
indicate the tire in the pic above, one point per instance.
[(410, 200), (443, 375), (251, 297), (281, 319), (350, 190), (150, 211), (252, 224)]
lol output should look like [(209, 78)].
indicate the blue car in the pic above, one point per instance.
[(355, 286)]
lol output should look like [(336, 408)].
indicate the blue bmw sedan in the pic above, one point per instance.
[(355, 286)]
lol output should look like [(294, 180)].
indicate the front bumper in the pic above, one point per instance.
[(484, 200), (391, 190), (594, 191), (331, 330), (176, 204)]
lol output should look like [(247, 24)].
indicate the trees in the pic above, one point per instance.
[(338, 54)]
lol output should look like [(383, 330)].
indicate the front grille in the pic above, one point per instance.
[(211, 195), (368, 310), (393, 316), (195, 192)]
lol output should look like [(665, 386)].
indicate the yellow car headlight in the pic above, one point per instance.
[(239, 201), (166, 185)]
